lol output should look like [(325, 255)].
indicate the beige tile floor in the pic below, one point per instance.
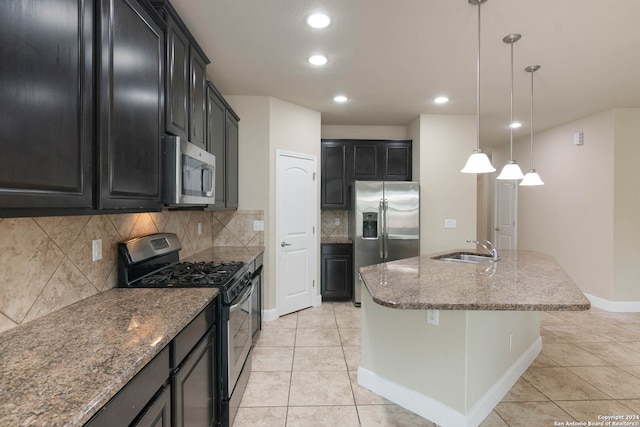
[(305, 374)]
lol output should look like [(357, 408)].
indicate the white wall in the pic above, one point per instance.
[(268, 124), (626, 208), (585, 214), (445, 143)]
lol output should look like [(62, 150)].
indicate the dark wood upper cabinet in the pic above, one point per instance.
[(222, 141), (130, 110), (177, 80), (333, 175), (186, 80), (197, 94), (365, 161), (46, 99), (396, 158), (346, 160)]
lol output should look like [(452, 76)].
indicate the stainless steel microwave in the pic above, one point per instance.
[(189, 173)]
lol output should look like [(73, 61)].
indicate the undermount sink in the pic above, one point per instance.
[(467, 257)]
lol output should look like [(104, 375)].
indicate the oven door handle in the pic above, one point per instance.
[(244, 298)]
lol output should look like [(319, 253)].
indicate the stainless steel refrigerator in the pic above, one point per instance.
[(384, 224)]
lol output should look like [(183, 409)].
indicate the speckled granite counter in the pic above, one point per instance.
[(520, 280), (227, 253), (335, 240), (62, 368)]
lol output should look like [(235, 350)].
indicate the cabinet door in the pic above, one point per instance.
[(131, 93), (397, 161), (197, 95), (46, 100), (216, 131), (158, 414), (231, 165), (336, 274), (177, 80), (365, 159), (193, 385), (334, 175)]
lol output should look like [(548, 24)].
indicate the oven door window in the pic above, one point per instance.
[(197, 177)]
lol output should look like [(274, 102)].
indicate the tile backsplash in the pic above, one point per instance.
[(46, 262), (333, 223)]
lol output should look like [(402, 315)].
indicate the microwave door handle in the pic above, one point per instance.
[(207, 181)]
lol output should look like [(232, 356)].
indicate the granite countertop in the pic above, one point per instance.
[(60, 369), (520, 280), (335, 240), (227, 254)]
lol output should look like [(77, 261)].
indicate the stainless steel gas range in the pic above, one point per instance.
[(153, 261)]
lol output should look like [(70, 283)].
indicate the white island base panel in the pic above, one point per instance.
[(453, 373)]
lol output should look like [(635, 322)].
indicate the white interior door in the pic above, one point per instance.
[(506, 214), (296, 238)]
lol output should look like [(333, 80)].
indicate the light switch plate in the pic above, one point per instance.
[(450, 223), (96, 250), (258, 225), (433, 317)]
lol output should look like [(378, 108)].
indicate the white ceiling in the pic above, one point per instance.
[(393, 57)]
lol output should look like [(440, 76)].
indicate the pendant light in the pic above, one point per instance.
[(532, 178), (478, 161), (511, 170)]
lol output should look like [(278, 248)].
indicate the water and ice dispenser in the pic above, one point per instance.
[(369, 225)]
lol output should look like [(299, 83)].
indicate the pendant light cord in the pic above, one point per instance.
[(478, 84), (511, 107), (531, 119)]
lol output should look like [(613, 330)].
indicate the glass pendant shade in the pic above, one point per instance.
[(511, 171), (531, 179), (478, 162)]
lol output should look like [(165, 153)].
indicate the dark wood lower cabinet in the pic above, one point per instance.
[(159, 412), (178, 388), (193, 386), (336, 278)]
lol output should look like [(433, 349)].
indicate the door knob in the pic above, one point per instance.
[(283, 244), (497, 228)]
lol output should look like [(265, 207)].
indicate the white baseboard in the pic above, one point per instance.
[(614, 306), (437, 411), (269, 315)]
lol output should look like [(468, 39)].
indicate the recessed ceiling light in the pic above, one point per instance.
[(441, 100), (318, 59), (340, 98), (318, 20), (515, 125)]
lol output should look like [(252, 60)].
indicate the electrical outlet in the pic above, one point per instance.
[(433, 317), (96, 250), (337, 221), (258, 225), (199, 229), (450, 223)]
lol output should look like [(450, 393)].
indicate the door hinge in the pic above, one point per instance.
[(314, 176), (314, 283), (313, 230)]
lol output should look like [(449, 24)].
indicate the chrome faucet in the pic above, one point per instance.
[(488, 246)]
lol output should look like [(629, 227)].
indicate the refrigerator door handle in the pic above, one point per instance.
[(385, 229), (383, 220)]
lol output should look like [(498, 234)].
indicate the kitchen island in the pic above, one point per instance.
[(447, 340)]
